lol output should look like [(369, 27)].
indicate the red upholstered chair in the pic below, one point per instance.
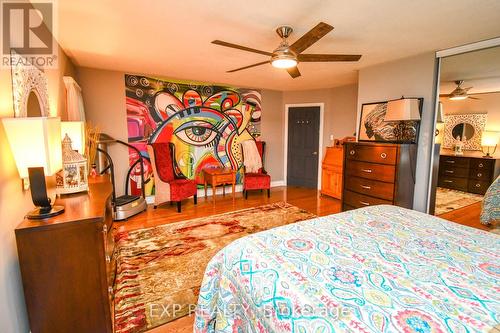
[(259, 180), (169, 185)]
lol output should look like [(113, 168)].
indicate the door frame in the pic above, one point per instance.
[(321, 106)]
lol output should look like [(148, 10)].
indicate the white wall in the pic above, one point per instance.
[(411, 77)]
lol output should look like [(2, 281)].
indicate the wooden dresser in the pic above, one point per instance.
[(331, 174), (377, 174), (67, 265), (469, 172)]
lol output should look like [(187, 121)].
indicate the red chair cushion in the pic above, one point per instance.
[(256, 181), (181, 189), (163, 161)]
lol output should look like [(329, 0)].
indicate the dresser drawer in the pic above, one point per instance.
[(477, 186), (452, 171), (483, 175), (453, 183), (481, 164), (381, 172), (357, 200), (372, 188), (346, 207), (459, 162), (373, 154)]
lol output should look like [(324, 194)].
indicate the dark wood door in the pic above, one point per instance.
[(303, 146)]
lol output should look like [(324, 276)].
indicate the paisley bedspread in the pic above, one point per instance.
[(376, 269)]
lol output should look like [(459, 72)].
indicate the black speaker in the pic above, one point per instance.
[(39, 196)]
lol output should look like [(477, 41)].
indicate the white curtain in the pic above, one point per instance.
[(74, 100)]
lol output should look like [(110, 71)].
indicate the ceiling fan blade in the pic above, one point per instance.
[(293, 71), (471, 97), (240, 47), (444, 95), (328, 57), (249, 66), (311, 37)]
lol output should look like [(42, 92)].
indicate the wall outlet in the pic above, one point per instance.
[(331, 137)]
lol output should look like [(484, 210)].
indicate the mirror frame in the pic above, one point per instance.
[(476, 120), (27, 78)]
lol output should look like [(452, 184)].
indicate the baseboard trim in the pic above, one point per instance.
[(277, 183), (201, 192)]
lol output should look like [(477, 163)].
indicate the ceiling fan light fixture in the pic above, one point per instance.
[(284, 62), (283, 57), (458, 97)]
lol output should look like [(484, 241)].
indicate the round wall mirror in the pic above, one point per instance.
[(463, 131), (33, 106)]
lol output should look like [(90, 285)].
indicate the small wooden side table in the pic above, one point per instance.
[(219, 176)]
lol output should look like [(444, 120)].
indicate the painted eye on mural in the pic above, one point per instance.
[(198, 133)]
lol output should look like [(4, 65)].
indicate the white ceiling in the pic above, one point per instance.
[(479, 70), (172, 38)]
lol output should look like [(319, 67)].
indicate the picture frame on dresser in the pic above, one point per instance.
[(374, 128)]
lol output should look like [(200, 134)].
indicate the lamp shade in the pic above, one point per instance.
[(490, 138), (76, 132), (35, 142), (403, 109)]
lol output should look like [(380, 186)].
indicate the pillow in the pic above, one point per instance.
[(490, 213)]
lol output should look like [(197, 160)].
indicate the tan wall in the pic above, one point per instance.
[(487, 103), (104, 99), (272, 128), (340, 109), (415, 77), (14, 202)]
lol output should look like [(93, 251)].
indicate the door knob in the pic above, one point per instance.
[(315, 153)]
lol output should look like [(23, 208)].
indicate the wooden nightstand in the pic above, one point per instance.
[(219, 176)]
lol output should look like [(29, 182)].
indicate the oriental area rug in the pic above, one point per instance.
[(160, 269), (448, 200)]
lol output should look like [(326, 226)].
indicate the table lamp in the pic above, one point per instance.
[(35, 143), (489, 139), (403, 110)]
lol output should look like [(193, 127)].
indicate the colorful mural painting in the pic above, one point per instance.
[(206, 123)]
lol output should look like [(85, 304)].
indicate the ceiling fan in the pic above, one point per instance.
[(459, 93), (288, 56)]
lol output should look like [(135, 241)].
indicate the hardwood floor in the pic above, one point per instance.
[(468, 215), (308, 199)]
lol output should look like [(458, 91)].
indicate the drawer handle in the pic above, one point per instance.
[(448, 181), (480, 174), (478, 185), (108, 259), (383, 155), (366, 187), (367, 170), (450, 161), (364, 203), (449, 171), (105, 228), (352, 152), (480, 165)]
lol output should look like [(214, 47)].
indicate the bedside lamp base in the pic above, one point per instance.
[(41, 213)]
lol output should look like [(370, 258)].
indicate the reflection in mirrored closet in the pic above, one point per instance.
[(467, 133)]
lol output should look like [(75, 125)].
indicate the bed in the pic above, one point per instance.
[(375, 269)]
